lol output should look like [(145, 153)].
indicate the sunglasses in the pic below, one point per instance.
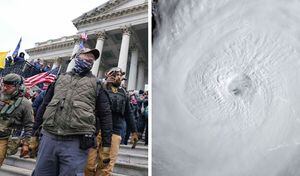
[(8, 86)]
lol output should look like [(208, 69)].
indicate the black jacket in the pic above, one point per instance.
[(119, 120)]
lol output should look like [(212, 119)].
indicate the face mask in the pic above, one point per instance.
[(82, 66)]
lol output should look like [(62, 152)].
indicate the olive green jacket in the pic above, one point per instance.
[(20, 118), (71, 110)]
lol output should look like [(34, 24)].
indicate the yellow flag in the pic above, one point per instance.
[(2, 58)]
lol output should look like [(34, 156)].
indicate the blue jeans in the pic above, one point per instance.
[(60, 156)]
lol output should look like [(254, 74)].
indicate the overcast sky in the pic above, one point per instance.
[(39, 20)]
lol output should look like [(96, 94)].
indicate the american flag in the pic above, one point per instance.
[(48, 76), (84, 36)]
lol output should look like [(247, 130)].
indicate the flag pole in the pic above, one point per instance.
[(58, 73)]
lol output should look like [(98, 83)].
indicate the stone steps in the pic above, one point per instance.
[(139, 143), (7, 170), (140, 150), (132, 159), (122, 158), (13, 165), (131, 169), (20, 162), (131, 162)]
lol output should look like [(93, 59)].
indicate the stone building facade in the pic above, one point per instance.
[(118, 29)]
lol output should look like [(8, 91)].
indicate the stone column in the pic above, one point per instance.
[(146, 83), (133, 69), (124, 49), (101, 71), (141, 75), (99, 46), (55, 63), (75, 50)]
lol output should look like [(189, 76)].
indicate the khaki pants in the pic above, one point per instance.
[(114, 150), (90, 168), (3, 149)]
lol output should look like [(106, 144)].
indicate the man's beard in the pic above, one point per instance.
[(5, 97), (116, 83)]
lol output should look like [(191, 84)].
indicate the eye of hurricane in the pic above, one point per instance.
[(235, 83), (240, 85), (233, 68)]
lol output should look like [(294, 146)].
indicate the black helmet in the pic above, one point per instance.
[(22, 54)]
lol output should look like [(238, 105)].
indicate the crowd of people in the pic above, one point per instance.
[(18, 64), (39, 65), (76, 125), (139, 106), (12, 60)]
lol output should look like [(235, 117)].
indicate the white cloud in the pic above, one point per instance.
[(37, 21)]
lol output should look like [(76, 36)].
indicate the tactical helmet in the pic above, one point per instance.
[(22, 54), (13, 79)]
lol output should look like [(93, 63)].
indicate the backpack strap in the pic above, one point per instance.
[(9, 108), (124, 91)]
